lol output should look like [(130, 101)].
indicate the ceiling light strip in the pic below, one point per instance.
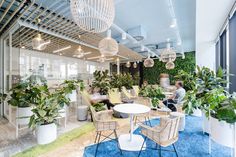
[(62, 49)]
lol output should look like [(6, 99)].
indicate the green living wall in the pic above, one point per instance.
[(152, 75)]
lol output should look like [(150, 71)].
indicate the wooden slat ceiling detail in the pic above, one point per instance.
[(55, 22)]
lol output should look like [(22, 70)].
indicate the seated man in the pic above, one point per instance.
[(177, 97)]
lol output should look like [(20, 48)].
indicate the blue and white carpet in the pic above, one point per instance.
[(192, 143)]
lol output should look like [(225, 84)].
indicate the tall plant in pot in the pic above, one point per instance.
[(45, 114)]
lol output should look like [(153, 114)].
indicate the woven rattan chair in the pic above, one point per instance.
[(127, 94), (136, 90), (114, 96), (103, 122), (164, 135), (145, 116)]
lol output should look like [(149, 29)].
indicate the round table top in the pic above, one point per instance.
[(132, 108)]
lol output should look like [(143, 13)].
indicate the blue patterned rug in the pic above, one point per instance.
[(192, 143)]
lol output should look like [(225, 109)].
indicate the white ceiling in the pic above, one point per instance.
[(155, 17), (211, 15)]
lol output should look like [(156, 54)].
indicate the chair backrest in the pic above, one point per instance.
[(169, 127), (126, 93), (114, 96), (136, 90), (144, 101)]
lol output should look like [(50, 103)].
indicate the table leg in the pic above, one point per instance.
[(131, 126)]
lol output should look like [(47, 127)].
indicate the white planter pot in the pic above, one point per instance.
[(24, 112), (206, 123), (46, 133), (73, 96), (222, 132), (197, 113)]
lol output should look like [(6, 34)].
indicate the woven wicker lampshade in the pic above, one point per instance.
[(108, 46), (170, 65), (149, 62), (128, 64), (93, 15), (168, 54), (135, 65)]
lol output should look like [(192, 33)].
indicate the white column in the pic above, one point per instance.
[(118, 65)]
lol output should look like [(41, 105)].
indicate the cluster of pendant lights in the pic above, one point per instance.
[(97, 16), (168, 56), (128, 64)]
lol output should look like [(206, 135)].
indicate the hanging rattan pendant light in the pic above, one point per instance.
[(168, 54), (135, 65), (108, 46), (93, 15), (148, 62), (170, 65)]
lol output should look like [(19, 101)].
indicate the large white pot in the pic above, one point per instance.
[(73, 96), (46, 133), (24, 112), (222, 132), (206, 123)]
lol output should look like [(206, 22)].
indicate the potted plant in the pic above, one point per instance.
[(23, 97), (101, 82), (222, 120), (99, 107), (45, 114), (156, 94)]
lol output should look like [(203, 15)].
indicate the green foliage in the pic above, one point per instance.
[(101, 81), (99, 107), (46, 110), (152, 75), (120, 80), (226, 111), (2, 97), (189, 79), (24, 94), (191, 102), (156, 94)]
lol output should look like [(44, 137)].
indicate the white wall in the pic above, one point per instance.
[(210, 16)]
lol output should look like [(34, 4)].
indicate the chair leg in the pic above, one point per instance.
[(175, 150), (149, 121), (142, 146), (118, 144), (98, 142), (159, 150), (145, 120), (95, 141)]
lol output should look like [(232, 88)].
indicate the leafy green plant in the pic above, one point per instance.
[(156, 94), (227, 111), (99, 107), (101, 81), (46, 110), (120, 80), (2, 97), (191, 102), (188, 78), (23, 94)]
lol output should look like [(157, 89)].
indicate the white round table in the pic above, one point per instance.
[(131, 142)]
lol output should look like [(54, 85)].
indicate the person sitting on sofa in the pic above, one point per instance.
[(177, 97)]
